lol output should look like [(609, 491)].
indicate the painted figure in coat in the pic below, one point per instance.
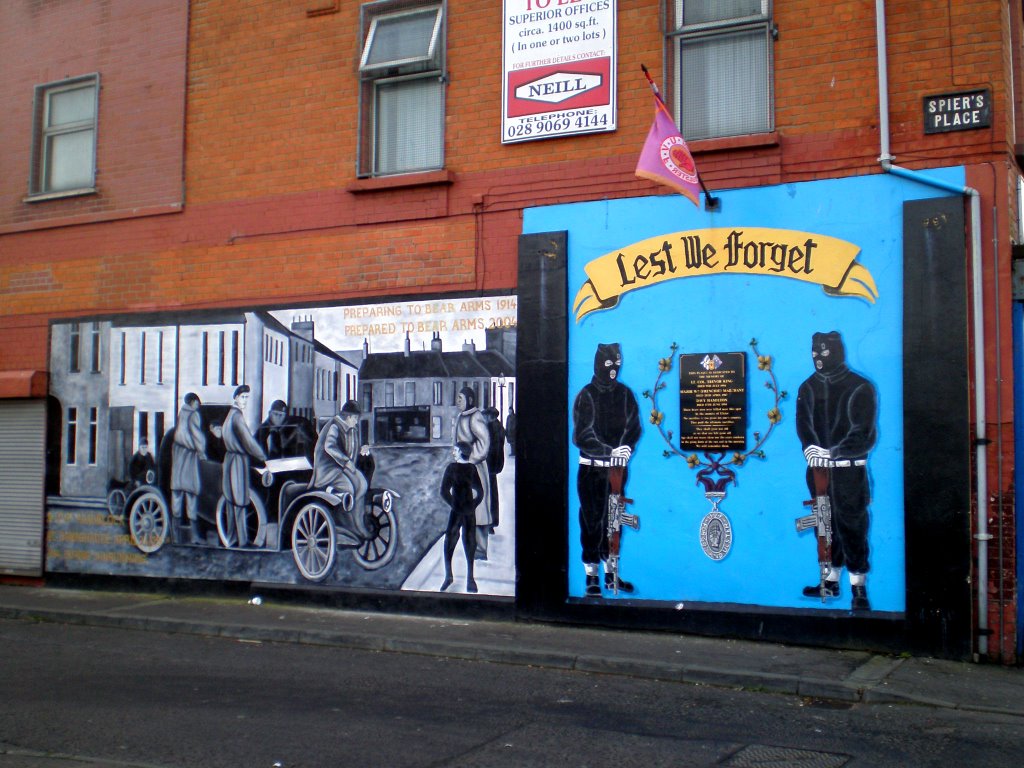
[(495, 460), (142, 464), (283, 436), (240, 448), (470, 427), (189, 446), (510, 430), (336, 461)]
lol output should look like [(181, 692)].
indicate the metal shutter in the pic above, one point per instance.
[(22, 469)]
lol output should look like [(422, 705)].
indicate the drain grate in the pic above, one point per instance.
[(759, 756)]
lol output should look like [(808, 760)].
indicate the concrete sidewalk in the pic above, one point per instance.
[(850, 676)]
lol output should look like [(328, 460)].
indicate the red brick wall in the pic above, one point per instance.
[(274, 216), (139, 51), (272, 212)]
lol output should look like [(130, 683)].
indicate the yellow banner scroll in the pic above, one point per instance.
[(826, 261)]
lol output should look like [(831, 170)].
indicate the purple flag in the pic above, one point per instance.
[(666, 159)]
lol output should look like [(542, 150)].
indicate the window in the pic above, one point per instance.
[(95, 347), (389, 394), (124, 354), (72, 435), (160, 357), (410, 393), (722, 55), (94, 434), (142, 358), (64, 139), (74, 347), (438, 387), (367, 398), (234, 357), (206, 358), (402, 88), (220, 358)]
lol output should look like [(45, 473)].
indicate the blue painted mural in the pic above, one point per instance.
[(704, 349)]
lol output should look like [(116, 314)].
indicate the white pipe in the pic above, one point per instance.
[(982, 536)]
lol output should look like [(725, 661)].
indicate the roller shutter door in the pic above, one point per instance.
[(22, 469)]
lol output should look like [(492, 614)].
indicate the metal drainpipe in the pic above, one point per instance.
[(982, 536)]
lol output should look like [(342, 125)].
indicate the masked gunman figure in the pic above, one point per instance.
[(606, 429), (836, 413)]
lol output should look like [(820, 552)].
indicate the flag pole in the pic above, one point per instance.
[(711, 203)]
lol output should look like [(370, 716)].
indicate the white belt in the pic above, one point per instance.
[(847, 462), (594, 462)]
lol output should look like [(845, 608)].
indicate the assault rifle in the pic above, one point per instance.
[(820, 520), (617, 517)]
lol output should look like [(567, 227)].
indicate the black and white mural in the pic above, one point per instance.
[(347, 445)]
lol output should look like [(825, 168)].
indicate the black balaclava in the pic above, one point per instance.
[(607, 361), (828, 353)]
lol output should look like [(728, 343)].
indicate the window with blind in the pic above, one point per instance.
[(722, 54), (64, 137), (402, 88)]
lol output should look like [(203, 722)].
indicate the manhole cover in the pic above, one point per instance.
[(759, 756)]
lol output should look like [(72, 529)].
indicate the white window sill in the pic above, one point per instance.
[(401, 181), (44, 196)]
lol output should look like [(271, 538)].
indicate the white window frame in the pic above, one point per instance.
[(679, 34), (71, 437), (428, 65), (94, 435), (43, 134), (371, 37)]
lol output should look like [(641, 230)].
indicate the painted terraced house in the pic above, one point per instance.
[(812, 370)]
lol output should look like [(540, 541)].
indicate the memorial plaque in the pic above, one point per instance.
[(713, 402)]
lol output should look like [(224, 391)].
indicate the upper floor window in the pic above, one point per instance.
[(95, 338), (64, 136), (722, 54), (402, 88), (74, 348)]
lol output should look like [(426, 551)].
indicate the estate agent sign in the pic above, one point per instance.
[(558, 74)]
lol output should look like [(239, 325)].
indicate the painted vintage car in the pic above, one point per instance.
[(283, 512)]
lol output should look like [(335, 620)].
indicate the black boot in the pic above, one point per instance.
[(610, 582), (831, 590), (193, 531), (860, 598), (593, 587)]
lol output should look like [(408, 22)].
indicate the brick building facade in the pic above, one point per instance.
[(226, 174)]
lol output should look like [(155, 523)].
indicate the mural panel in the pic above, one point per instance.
[(736, 433), (344, 445)]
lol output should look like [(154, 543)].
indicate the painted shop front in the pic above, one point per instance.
[(763, 410), (348, 446)]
